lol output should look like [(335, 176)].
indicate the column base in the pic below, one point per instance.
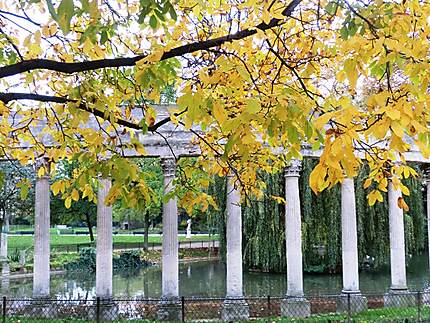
[(399, 298), (356, 302), (234, 309), (108, 310), (169, 309), (295, 306)]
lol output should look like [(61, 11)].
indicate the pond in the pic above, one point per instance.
[(207, 279)]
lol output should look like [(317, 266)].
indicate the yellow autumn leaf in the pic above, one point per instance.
[(55, 187), (351, 72), (75, 195), (68, 202), (219, 113), (402, 204), (404, 189), (367, 183), (393, 114), (41, 171)]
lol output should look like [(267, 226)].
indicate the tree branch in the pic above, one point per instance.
[(7, 97), (74, 67)]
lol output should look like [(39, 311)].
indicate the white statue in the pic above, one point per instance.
[(188, 229)]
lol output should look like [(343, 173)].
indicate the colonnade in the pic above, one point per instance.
[(234, 307)]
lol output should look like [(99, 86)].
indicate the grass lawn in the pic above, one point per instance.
[(373, 315), (25, 242)]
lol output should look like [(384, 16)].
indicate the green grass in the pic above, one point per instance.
[(31, 320), (25, 242), (372, 315)]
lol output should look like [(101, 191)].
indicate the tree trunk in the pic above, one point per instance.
[(90, 227), (146, 236)]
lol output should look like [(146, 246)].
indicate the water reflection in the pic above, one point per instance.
[(204, 279)]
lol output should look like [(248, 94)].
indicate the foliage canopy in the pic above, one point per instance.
[(258, 76)]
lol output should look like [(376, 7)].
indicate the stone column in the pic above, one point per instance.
[(294, 304), (104, 242), (3, 245), (350, 276), (396, 296), (234, 307), (170, 307), (104, 252), (41, 271)]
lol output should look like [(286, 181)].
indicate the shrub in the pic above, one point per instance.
[(86, 261), (130, 259)]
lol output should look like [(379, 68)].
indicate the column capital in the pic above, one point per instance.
[(293, 169), (169, 166)]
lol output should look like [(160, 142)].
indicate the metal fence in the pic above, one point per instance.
[(389, 307)]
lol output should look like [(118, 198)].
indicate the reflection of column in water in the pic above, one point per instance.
[(5, 279), (189, 271), (145, 283), (5, 285), (127, 289), (70, 285), (211, 271)]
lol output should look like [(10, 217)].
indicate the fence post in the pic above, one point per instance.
[(349, 307), (268, 304), (183, 308), (418, 302), (4, 309), (98, 310)]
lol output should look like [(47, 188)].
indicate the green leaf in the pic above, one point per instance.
[(103, 37), (24, 192), (153, 22), (66, 10), (160, 15), (145, 3), (253, 106), (331, 8), (344, 33), (308, 130), (352, 28), (2, 176), (51, 10), (172, 13), (141, 18), (85, 4), (229, 145), (293, 135)]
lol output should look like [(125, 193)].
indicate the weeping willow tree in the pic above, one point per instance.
[(263, 229), (264, 224), (321, 224)]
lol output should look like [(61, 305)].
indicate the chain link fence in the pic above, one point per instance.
[(398, 306)]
